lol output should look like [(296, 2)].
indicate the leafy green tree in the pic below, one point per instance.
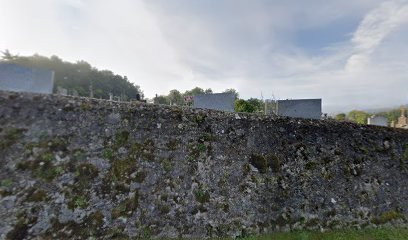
[(244, 106), (175, 97), (340, 117), (358, 116), (208, 91), (161, 100), (193, 92), (257, 103)]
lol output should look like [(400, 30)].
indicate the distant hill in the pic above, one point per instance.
[(79, 76)]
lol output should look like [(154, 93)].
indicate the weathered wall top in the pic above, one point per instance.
[(77, 168), (18, 78)]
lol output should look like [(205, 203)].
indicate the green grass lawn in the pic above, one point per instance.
[(365, 234)]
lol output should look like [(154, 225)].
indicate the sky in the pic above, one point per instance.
[(352, 54)]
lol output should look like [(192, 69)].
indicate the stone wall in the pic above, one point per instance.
[(74, 168)]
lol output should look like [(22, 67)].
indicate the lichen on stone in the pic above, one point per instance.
[(202, 195), (10, 137), (36, 195), (127, 207)]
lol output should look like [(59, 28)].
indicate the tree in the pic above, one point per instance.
[(7, 56), (257, 104), (175, 97), (193, 92), (358, 116), (231, 90), (161, 100), (244, 106), (341, 117), (208, 91)]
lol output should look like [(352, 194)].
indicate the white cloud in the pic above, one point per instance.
[(375, 27)]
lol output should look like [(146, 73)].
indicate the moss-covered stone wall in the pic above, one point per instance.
[(77, 168)]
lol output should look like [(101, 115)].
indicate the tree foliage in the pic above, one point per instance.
[(195, 91), (251, 105), (79, 76), (208, 91), (231, 90), (358, 116), (257, 103), (175, 97), (7, 56), (340, 117), (242, 105), (162, 100)]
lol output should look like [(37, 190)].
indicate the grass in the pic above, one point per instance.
[(382, 233)]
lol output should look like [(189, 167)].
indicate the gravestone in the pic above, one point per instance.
[(18, 78), (300, 108), (377, 121), (216, 101)]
